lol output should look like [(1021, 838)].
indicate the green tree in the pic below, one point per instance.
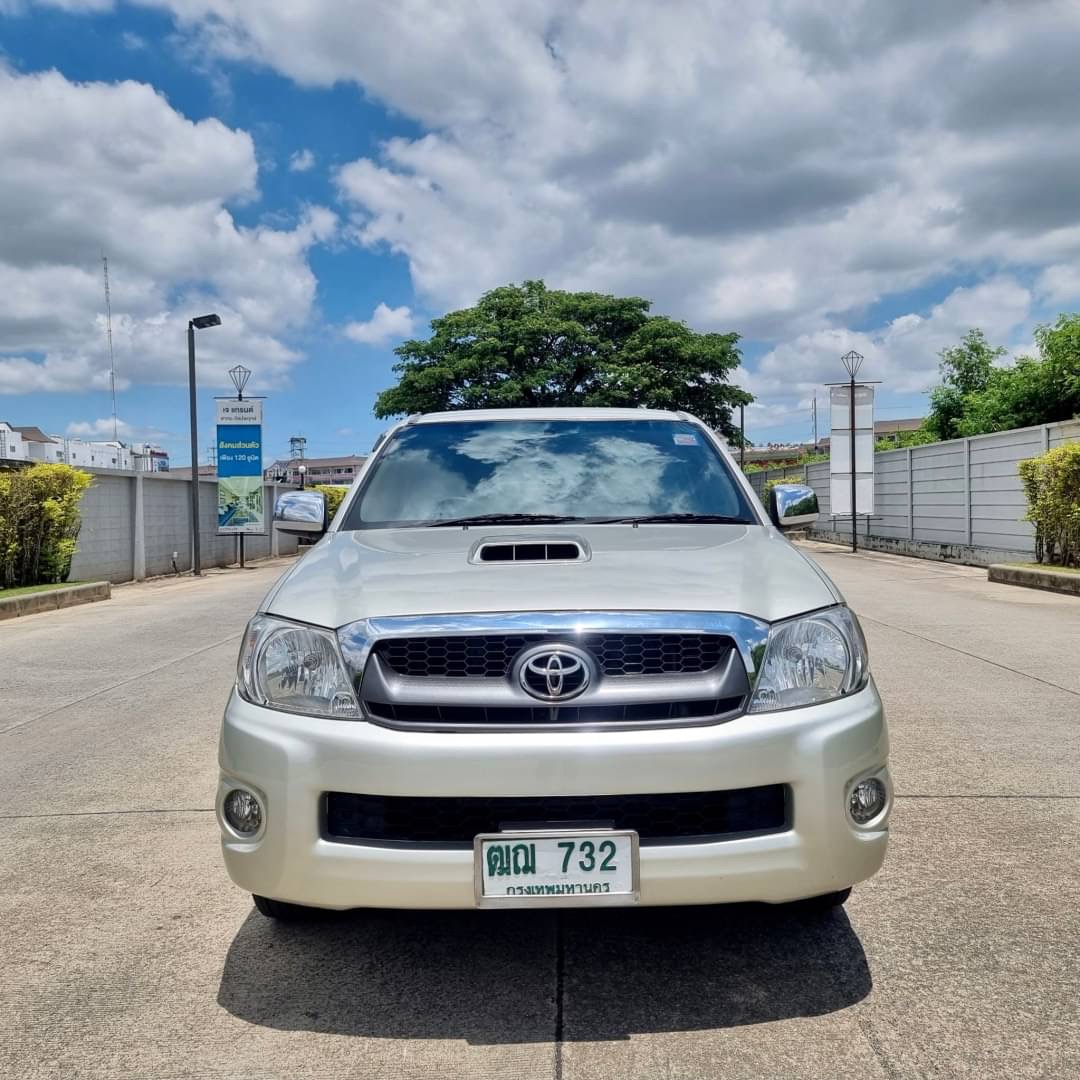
[(525, 346), (976, 396), (966, 370)]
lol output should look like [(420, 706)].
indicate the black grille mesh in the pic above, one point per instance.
[(490, 655), (540, 715), (685, 816)]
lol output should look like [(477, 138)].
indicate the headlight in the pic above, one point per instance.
[(296, 668), (812, 659)]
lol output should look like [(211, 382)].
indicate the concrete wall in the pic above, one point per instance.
[(953, 500), (133, 522)]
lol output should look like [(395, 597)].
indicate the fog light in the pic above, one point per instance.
[(867, 800), (243, 812)]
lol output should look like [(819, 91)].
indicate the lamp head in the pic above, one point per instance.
[(201, 322)]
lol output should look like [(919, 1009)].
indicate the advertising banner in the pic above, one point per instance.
[(840, 450), (239, 466)]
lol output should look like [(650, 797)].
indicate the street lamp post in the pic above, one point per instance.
[(302, 470), (200, 323)]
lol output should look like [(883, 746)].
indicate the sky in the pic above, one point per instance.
[(330, 175)]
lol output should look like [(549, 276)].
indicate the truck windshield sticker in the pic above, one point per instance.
[(684, 439)]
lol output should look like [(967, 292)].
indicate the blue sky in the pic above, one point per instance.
[(330, 178)]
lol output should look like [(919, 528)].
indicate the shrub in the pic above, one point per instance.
[(1052, 486), (39, 523), (334, 493)]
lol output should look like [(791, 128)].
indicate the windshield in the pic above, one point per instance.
[(536, 472)]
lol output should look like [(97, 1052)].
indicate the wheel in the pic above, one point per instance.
[(825, 902), (283, 912)]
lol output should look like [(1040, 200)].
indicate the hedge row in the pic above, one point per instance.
[(1052, 486), (39, 523), (334, 493)]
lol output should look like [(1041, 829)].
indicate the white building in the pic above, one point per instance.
[(12, 444), (32, 444), (149, 457), (95, 455)]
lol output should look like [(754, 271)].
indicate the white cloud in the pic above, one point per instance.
[(775, 168), (1059, 285), (825, 156), (902, 354), (102, 429), (92, 168), (385, 325), (302, 161)]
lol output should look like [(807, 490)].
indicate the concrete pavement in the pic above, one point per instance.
[(125, 951)]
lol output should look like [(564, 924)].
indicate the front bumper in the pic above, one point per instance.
[(290, 761)]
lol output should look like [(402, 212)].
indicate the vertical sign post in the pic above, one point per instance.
[(239, 468), (851, 447)]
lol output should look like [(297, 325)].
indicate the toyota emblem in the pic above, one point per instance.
[(555, 672)]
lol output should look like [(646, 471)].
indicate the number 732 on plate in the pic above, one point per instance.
[(580, 867)]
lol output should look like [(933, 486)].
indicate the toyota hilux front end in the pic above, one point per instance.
[(552, 657)]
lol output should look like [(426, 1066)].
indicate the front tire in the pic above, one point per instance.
[(283, 912)]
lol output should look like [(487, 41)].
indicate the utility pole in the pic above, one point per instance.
[(112, 357), (815, 421), (742, 437)]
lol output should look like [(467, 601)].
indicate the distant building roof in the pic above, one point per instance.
[(318, 462), (890, 427), (911, 423), (773, 453), (185, 471), (33, 434)]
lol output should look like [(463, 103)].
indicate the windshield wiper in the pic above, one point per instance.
[(659, 519), (502, 519)]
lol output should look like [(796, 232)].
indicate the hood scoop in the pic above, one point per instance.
[(519, 551)]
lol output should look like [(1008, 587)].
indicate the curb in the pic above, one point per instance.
[(53, 599), (1033, 578)]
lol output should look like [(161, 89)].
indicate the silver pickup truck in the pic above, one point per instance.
[(551, 657)]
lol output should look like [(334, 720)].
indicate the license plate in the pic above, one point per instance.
[(556, 867)]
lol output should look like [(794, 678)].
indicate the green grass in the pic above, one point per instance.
[(1033, 565), (22, 590)]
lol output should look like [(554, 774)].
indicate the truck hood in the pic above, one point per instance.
[(749, 569)]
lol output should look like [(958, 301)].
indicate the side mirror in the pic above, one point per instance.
[(301, 513), (792, 504)]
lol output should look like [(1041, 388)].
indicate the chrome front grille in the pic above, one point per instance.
[(490, 656), (475, 672)]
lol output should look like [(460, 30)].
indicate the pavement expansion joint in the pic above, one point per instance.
[(107, 813), (975, 795), (970, 655), (116, 685)]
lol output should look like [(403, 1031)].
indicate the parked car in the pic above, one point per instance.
[(546, 658)]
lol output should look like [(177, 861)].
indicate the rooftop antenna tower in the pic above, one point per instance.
[(112, 356)]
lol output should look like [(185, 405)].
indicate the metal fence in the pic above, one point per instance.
[(960, 499)]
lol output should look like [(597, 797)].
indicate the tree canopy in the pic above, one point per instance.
[(977, 396), (525, 346)]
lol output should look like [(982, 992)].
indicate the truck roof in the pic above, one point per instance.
[(466, 415)]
